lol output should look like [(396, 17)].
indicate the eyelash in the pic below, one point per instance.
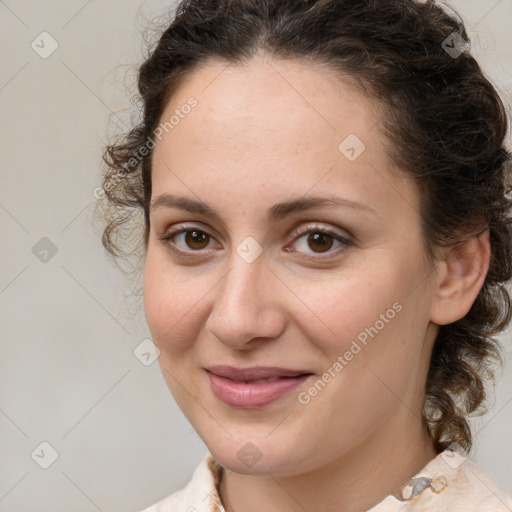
[(299, 233)]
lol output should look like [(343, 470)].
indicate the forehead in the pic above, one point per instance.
[(290, 99), (271, 125)]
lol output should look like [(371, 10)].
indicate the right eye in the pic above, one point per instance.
[(191, 240)]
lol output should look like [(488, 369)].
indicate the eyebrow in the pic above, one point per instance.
[(275, 213)]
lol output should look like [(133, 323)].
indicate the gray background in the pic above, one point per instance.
[(69, 376)]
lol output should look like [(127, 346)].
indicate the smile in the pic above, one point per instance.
[(253, 387)]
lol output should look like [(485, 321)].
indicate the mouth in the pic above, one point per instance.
[(253, 387)]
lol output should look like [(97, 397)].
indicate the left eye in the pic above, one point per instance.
[(319, 240)]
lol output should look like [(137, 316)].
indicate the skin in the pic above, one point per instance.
[(261, 134)]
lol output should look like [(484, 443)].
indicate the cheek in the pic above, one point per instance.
[(348, 306), (376, 354), (372, 321), (172, 302)]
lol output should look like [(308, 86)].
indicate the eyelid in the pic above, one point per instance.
[(303, 229), (178, 229), (344, 239)]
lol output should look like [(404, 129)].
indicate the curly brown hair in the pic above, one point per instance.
[(445, 122)]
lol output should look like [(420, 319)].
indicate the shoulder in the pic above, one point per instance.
[(199, 495), (454, 484), (460, 485), (478, 492)]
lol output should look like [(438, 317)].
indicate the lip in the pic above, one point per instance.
[(236, 387)]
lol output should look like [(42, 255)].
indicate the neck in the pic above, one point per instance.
[(354, 482)]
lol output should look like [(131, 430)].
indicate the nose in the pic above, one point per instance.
[(247, 308)]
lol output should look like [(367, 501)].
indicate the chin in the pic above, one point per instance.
[(258, 457), (251, 463)]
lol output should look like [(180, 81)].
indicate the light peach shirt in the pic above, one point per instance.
[(450, 482)]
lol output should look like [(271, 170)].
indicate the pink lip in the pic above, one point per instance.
[(233, 386)]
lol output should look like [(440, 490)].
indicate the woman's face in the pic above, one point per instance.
[(337, 293)]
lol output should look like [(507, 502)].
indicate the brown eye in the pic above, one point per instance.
[(196, 239), (183, 241), (320, 242)]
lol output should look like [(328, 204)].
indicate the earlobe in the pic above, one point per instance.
[(461, 276)]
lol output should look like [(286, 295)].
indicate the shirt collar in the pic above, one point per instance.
[(202, 492)]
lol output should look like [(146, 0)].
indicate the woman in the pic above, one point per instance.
[(326, 246)]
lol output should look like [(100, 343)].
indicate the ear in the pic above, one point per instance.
[(461, 274)]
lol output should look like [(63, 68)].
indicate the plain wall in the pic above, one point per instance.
[(68, 373)]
